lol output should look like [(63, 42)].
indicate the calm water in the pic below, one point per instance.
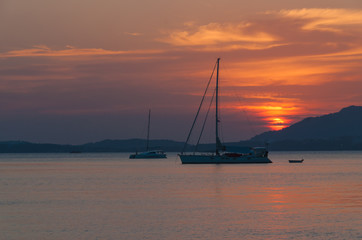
[(108, 196)]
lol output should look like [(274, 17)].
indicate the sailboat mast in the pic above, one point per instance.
[(148, 129), (217, 108)]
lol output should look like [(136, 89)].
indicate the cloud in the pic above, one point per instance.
[(45, 51), (216, 34), (324, 19), (133, 34), (270, 30)]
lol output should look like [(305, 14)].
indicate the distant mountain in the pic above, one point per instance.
[(335, 131), (129, 145), (27, 147), (344, 127)]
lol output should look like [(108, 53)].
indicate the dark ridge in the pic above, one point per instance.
[(345, 123)]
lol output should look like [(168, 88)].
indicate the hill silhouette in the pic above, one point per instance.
[(334, 131), (127, 145), (345, 123)]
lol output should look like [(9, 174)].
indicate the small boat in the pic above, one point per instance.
[(296, 161), (148, 153), (219, 156)]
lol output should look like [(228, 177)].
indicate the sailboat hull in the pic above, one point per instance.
[(150, 154), (220, 159)]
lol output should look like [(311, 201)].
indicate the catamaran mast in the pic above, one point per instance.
[(148, 128), (217, 108)]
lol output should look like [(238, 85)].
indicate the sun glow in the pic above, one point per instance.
[(275, 117), (277, 123)]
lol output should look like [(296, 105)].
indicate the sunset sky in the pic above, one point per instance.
[(77, 71)]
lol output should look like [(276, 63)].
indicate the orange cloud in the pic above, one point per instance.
[(325, 19), (276, 115), (301, 70), (216, 34), (354, 53), (45, 51), (133, 34)]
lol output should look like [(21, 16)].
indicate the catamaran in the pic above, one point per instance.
[(148, 153), (255, 155)]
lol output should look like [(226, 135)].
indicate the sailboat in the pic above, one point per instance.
[(219, 156), (148, 153)]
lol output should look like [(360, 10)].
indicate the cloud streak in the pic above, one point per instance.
[(70, 51), (325, 19), (239, 35)]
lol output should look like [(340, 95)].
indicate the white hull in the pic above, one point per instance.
[(151, 154), (218, 159)]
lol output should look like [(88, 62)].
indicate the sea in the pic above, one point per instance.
[(109, 196)]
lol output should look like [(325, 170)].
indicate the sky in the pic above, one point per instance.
[(79, 71)]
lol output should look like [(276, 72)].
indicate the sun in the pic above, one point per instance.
[(274, 117), (277, 123)]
